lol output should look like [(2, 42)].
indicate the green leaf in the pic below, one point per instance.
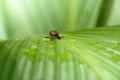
[(80, 55), (105, 13), (114, 17)]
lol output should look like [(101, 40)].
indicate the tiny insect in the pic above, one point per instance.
[(53, 34)]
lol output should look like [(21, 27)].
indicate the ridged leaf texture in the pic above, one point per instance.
[(81, 55)]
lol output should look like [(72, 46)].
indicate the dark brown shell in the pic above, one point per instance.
[(54, 33)]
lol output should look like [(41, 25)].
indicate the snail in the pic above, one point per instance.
[(53, 34)]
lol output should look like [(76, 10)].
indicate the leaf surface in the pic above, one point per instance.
[(80, 55)]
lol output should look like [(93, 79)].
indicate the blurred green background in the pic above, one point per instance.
[(28, 17)]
